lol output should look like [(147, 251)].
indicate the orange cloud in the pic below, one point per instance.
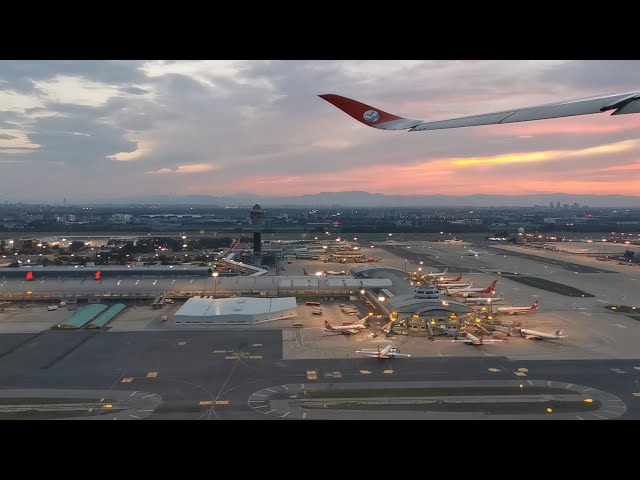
[(621, 168), (193, 168), (549, 155)]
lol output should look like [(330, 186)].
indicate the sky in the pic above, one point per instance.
[(98, 130)]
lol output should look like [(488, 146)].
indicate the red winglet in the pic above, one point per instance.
[(366, 114)]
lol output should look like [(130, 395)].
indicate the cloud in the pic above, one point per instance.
[(195, 168), (142, 126)]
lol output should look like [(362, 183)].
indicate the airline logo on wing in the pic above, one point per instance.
[(371, 116)]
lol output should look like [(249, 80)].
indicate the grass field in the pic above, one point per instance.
[(432, 392), (548, 285), (498, 408), (623, 309)]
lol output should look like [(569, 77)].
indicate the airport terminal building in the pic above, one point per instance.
[(233, 311)]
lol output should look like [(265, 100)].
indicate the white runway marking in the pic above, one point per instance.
[(133, 393)]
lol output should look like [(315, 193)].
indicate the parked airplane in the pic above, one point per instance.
[(454, 286), (345, 329), (437, 274), (620, 103), (447, 281), (324, 272), (465, 291), (535, 335), (386, 352), (473, 340), (484, 300), (518, 310), (474, 253)]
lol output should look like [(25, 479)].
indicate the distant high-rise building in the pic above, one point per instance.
[(557, 204), (550, 204), (576, 205)]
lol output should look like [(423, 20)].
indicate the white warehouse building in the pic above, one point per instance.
[(235, 310)]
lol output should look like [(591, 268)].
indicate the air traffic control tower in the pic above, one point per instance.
[(257, 219)]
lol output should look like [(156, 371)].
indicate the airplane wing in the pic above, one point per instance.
[(352, 331), (620, 103), (393, 354)]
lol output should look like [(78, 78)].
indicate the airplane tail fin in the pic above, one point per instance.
[(535, 305), (491, 288), (304, 270), (368, 115), (559, 332), (328, 326)]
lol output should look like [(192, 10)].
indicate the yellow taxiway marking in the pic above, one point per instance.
[(152, 374), (365, 372), (636, 394), (388, 372), (312, 375), (222, 402), (256, 344), (127, 380), (219, 351), (494, 369), (520, 374), (206, 402), (108, 405), (181, 343), (255, 357), (525, 370), (231, 357)]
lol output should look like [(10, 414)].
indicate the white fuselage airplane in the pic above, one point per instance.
[(473, 340), (345, 329), (617, 103), (518, 310), (386, 352), (474, 253), (448, 281), (454, 286), (483, 300), (466, 291), (437, 274), (535, 335)]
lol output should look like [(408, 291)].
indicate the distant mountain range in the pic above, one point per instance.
[(365, 199)]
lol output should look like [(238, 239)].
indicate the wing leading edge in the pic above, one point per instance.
[(620, 103)]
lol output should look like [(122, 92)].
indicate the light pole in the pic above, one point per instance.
[(490, 306), (215, 283)]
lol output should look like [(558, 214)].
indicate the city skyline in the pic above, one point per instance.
[(108, 129)]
